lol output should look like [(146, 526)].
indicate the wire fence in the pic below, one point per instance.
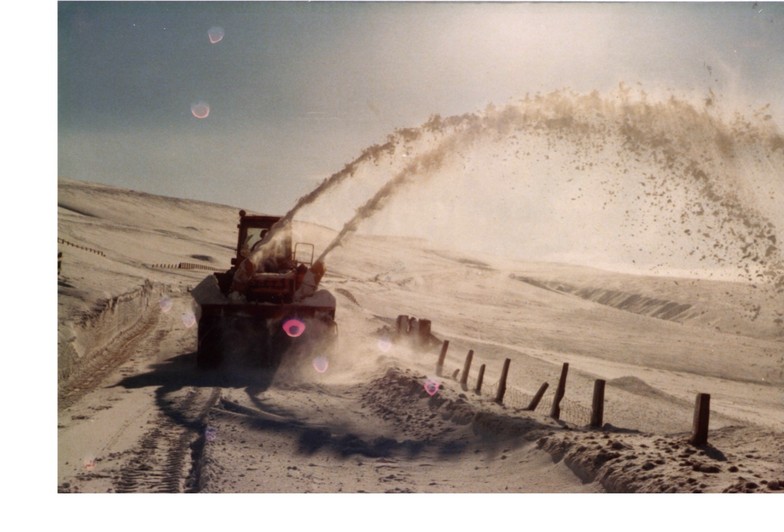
[(78, 246), (182, 266), (570, 411), (174, 266)]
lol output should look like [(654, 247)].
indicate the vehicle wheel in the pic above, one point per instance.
[(209, 353), (276, 344)]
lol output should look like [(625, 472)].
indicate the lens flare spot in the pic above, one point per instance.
[(294, 327), (215, 34), (211, 433), (384, 344), (166, 304), (432, 386), (320, 364), (188, 319), (200, 110)]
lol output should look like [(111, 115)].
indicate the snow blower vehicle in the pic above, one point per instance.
[(267, 305)]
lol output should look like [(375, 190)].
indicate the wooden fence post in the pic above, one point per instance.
[(424, 332), (597, 405), (413, 325), (441, 358), (538, 397), (402, 324), (499, 397), (699, 434), (479, 379), (466, 369), (555, 411)]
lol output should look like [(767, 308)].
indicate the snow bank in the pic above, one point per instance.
[(80, 341)]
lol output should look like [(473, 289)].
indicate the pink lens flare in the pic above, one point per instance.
[(215, 34), (320, 364), (188, 319), (166, 304), (200, 110), (384, 344), (294, 327), (211, 433), (432, 386)]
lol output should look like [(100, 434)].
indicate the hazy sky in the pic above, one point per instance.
[(297, 89)]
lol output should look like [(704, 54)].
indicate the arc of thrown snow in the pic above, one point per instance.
[(427, 161), (252, 261)]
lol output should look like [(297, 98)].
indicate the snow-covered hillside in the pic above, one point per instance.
[(637, 241)]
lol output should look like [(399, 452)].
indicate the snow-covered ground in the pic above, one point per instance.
[(367, 423), (541, 278)]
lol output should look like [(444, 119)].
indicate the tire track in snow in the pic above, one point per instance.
[(166, 459)]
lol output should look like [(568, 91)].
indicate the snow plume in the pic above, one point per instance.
[(377, 185), (623, 181), (277, 233), (416, 172)]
